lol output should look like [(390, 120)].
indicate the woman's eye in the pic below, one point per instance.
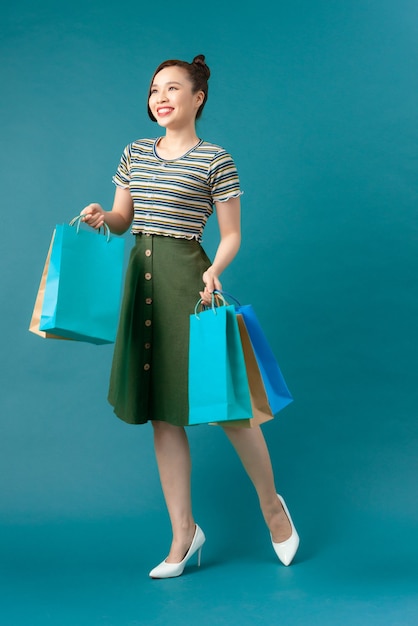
[(172, 88)]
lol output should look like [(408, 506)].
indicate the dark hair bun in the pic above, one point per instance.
[(200, 61)]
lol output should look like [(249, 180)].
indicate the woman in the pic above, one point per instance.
[(165, 190)]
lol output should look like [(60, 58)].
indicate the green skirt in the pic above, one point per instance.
[(149, 376)]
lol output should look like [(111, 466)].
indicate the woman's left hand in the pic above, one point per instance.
[(212, 282)]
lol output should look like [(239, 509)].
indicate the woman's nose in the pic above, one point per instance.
[(162, 96)]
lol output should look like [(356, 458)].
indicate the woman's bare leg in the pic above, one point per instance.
[(174, 465), (251, 447)]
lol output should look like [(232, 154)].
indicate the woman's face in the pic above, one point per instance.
[(171, 100)]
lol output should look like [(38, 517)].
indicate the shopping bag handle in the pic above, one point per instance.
[(226, 296), (77, 221), (213, 305)]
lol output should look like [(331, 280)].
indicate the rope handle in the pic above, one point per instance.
[(216, 296), (227, 296), (76, 221), (219, 298)]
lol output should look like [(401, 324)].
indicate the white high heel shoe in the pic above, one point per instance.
[(171, 570), (287, 549)]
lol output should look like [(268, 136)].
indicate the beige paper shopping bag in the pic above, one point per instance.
[(259, 403), (37, 310)]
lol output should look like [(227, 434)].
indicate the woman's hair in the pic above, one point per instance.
[(198, 73)]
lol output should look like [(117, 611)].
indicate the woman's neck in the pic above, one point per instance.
[(175, 144)]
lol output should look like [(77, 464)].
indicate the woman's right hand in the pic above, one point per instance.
[(118, 219), (93, 215)]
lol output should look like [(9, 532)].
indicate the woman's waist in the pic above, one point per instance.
[(168, 232)]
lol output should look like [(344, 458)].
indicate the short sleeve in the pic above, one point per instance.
[(122, 176), (223, 178)]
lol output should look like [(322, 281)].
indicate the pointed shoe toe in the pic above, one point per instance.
[(167, 570), (172, 570), (287, 549)]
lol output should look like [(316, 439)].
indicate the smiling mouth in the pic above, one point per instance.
[(164, 110)]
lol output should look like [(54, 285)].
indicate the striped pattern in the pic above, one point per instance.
[(176, 198)]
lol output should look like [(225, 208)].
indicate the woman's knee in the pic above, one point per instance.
[(165, 427)]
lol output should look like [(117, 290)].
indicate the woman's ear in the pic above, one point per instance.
[(200, 96)]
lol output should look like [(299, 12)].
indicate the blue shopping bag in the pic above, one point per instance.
[(218, 383), (83, 286), (277, 391)]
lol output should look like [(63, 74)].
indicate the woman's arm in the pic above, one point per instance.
[(118, 219), (229, 220)]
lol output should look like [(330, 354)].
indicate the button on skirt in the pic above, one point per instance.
[(149, 376)]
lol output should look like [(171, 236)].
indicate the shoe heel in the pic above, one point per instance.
[(199, 554)]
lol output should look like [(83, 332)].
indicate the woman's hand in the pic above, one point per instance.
[(93, 215), (212, 282), (118, 219)]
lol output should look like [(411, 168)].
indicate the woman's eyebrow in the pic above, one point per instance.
[(170, 82)]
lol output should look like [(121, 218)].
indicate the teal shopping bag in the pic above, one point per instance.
[(83, 286), (218, 383)]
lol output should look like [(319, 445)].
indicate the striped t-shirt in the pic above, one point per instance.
[(176, 197)]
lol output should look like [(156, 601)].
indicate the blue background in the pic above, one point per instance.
[(317, 101)]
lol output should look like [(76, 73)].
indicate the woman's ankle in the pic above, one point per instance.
[(276, 519)]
